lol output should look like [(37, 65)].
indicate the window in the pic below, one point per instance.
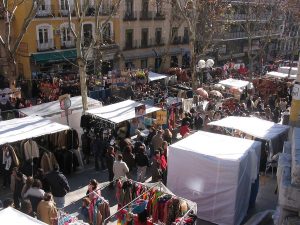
[(44, 34), (44, 8), (107, 34), (87, 33), (174, 61), (159, 7), (129, 39), (158, 61), (64, 5), (145, 4), (186, 36), (158, 32), (129, 7), (144, 37), (144, 64)]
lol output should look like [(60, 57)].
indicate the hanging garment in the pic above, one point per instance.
[(31, 150), (62, 140), (48, 161)]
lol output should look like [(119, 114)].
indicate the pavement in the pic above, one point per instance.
[(78, 181)]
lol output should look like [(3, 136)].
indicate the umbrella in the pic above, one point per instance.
[(216, 93), (219, 87), (235, 90), (202, 92)]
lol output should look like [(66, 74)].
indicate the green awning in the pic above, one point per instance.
[(54, 56)]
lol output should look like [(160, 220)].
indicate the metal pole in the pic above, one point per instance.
[(295, 106)]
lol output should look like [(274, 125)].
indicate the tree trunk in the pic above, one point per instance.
[(83, 86), (193, 61)]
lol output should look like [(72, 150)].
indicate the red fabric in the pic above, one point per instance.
[(184, 130), (164, 163)]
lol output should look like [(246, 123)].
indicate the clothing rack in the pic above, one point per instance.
[(138, 197), (192, 206), (103, 186)]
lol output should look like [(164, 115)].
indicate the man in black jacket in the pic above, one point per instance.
[(142, 162), (59, 186)]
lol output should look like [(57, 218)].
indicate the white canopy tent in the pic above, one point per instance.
[(11, 216), (53, 112), (119, 112), (286, 69), (280, 75), (255, 127), (217, 174), (229, 83), (26, 128), (156, 76), (50, 109)]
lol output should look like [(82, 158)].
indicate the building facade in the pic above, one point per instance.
[(250, 21), (49, 47)]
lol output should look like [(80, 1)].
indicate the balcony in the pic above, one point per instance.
[(158, 41), (176, 41), (65, 12), (44, 11), (243, 35), (159, 16), (106, 10), (146, 15), (130, 45), (130, 16), (90, 11), (45, 46), (68, 44)]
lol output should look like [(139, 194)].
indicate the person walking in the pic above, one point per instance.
[(7, 164), (46, 210), (120, 168), (110, 158), (156, 167), (59, 186), (142, 162), (18, 180), (157, 140)]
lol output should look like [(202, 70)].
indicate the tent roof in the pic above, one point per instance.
[(11, 216), (280, 75), (234, 83), (27, 127), (286, 69), (216, 145), (253, 126), (52, 108), (121, 111), (156, 76)]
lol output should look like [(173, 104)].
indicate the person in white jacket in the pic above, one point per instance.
[(120, 168)]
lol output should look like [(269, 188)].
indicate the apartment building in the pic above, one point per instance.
[(144, 36), (233, 44), (49, 45), (288, 45)]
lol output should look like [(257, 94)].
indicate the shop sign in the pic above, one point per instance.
[(161, 117)]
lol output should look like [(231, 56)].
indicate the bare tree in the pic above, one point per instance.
[(259, 21), (86, 44), (203, 20), (9, 39)]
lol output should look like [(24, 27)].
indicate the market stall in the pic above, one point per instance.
[(156, 76), (274, 133), (53, 112), (152, 203), (287, 70), (120, 112), (218, 174), (233, 83), (281, 75), (33, 140), (11, 216)]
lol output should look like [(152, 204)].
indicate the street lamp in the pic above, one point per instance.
[(201, 65)]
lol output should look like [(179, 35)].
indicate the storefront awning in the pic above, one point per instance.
[(54, 56)]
